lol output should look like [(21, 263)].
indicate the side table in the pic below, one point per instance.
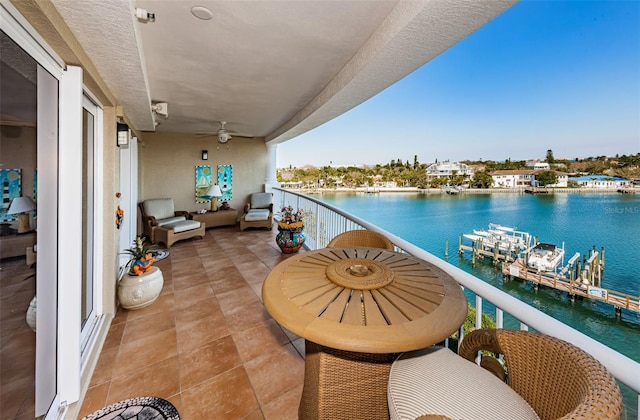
[(217, 218)]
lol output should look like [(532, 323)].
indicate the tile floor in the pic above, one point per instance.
[(207, 344)]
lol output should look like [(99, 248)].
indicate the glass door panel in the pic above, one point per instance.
[(88, 313)]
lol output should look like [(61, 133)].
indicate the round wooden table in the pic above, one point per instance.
[(356, 308)]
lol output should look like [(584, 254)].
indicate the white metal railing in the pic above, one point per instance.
[(324, 221)]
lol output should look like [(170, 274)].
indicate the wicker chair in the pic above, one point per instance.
[(364, 238), (557, 379)]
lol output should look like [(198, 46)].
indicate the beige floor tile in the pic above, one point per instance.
[(114, 336), (284, 407), (103, 371), (164, 303), (187, 297), (237, 299), (95, 399), (193, 279), (228, 396), (201, 309), (158, 380), (275, 373), (149, 325), (246, 317), (208, 361), (146, 351), (261, 339), (194, 334)]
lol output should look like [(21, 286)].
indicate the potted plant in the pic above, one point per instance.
[(141, 257), (142, 283), (290, 237)]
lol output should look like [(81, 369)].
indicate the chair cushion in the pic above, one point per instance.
[(160, 208), (438, 381), (256, 214), (182, 226), (169, 220), (261, 200)]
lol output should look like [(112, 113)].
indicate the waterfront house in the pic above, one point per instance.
[(449, 169), (520, 178), (538, 165), (107, 103), (513, 178), (600, 181)]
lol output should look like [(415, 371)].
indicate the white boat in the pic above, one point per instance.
[(450, 189), (544, 257), (503, 237)]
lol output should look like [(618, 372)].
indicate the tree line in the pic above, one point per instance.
[(414, 174)]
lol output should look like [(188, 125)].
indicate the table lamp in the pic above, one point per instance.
[(214, 192), (22, 206)]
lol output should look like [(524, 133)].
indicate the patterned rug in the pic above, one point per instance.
[(142, 408), (161, 254)]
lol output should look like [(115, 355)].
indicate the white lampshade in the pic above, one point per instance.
[(214, 191), (21, 205)]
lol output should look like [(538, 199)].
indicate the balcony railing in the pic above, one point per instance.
[(323, 222)]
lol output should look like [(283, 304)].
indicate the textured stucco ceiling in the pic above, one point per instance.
[(272, 69)]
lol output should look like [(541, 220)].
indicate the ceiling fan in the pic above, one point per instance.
[(223, 134)]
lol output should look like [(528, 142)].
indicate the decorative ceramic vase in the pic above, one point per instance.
[(290, 240), (136, 292), (32, 313)]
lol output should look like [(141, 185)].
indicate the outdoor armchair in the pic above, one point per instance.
[(539, 376), (360, 237)]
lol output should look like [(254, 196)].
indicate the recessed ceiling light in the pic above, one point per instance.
[(201, 12)]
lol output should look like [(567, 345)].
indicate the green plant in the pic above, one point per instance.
[(141, 256), (470, 325)]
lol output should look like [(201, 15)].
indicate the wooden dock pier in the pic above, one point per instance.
[(573, 287), (579, 278)]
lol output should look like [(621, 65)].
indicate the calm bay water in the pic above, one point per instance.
[(581, 221)]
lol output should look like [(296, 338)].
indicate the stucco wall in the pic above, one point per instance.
[(168, 160)]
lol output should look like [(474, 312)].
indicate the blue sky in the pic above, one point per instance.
[(559, 75)]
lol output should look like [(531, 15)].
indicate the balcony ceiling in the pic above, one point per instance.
[(272, 69)]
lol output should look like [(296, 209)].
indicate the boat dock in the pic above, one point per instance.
[(543, 264), (580, 287)]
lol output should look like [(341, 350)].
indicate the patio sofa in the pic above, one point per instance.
[(162, 224)]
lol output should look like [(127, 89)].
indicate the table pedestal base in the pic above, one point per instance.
[(342, 384)]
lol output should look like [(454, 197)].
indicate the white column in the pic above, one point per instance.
[(270, 180)]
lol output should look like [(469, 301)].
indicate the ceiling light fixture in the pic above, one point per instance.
[(144, 16), (201, 12), (161, 108), (224, 137)]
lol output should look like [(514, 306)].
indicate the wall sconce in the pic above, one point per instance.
[(123, 135), (205, 155)]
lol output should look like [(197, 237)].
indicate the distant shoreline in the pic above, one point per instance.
[(372, 190)]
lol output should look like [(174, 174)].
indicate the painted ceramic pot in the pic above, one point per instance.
[(136, 292), (290, 240)]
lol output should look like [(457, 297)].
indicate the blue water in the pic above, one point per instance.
[(580, 221)]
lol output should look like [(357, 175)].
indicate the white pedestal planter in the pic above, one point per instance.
[(32, 313), (136, 292)]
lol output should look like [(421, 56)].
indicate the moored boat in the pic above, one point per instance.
[(544, 257), (503, 237)]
